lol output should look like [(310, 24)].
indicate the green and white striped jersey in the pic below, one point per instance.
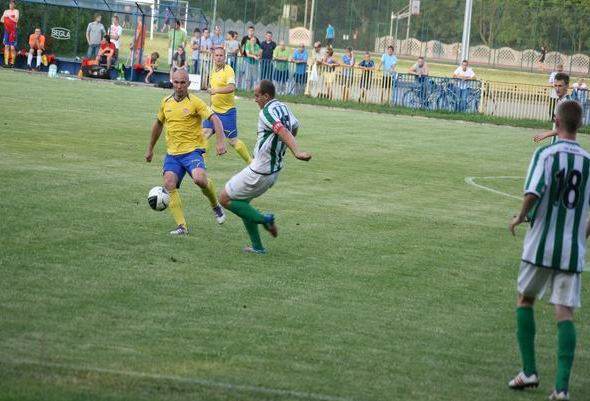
[(269, 152), (558, 175)]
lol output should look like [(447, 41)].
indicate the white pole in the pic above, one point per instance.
[(391, 24), (408, 28), (466, 30), (311, 19), (214, 12), (152, 22), (305, 18)]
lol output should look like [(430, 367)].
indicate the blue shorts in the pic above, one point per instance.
[(8, 42), (229, 121), (184, 163)]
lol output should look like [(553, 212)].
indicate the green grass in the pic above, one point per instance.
[(391, 278)]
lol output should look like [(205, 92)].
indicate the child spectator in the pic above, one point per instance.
[(151, 63)]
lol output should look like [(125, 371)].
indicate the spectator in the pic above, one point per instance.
[(138, 42), (419, 69), (151, 63), (300, 76), (465, 74), (281, 67), (206, 43), (36, 46), (319, 54), (542, 58), (94, 33), (387, 65), (347, 70), (206, 57), (268, 47), (253, 53), (330, 35), (115, 32), (580, 85), (10, 19), (106, 52), (176, 39), (331, 63), (178, 60), (247, 38), (232, 47), (316, 79), (217, 39), (196, 49), (367, 65), (167, 17)]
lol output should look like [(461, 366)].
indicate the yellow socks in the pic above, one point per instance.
[(242, 150), (209, 192), (176, 207), (6, 56), (13, 54)]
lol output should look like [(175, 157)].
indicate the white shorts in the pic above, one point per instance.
[(564, 287), (249, 185)]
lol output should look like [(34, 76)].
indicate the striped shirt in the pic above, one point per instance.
[(269, 151), (558, 175)]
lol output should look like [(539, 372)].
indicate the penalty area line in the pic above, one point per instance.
[(471, 181), (187, 380)]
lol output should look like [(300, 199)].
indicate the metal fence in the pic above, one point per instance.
[(342, 83)]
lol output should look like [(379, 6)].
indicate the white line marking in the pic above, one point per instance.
[(471, 181), (187, 380)]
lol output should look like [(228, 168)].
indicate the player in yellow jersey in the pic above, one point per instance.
[(222, 87), (183, 115)]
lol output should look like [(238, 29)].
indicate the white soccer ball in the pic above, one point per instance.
[(158, 198)]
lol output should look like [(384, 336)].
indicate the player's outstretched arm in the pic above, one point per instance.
[(527, 205), (547, 134), (291, 143), (218, 126), (156, 132)]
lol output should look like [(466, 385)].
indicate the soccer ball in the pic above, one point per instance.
[(158, 198)]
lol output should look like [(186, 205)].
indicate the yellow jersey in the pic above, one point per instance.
[(223, 102), (183, 123)]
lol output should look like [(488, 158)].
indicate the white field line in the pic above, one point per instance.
[(471, 181), (187, 380)]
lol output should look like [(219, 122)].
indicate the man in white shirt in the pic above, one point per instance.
[(115, 32), (464, 73), (553, 95)]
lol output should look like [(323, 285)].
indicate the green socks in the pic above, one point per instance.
[(566, 347), (251, 218), (243, 209), (254, 234), (525, 333)]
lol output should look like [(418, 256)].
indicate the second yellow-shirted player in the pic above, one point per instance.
[(183, 115), (222, 87)]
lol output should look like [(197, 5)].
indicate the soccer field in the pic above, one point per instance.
[(391, 279)]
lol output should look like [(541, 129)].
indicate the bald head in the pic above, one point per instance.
[(180, 82), (180, 74)]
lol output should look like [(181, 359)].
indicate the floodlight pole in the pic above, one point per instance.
[(305, 13), (466, 30)]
